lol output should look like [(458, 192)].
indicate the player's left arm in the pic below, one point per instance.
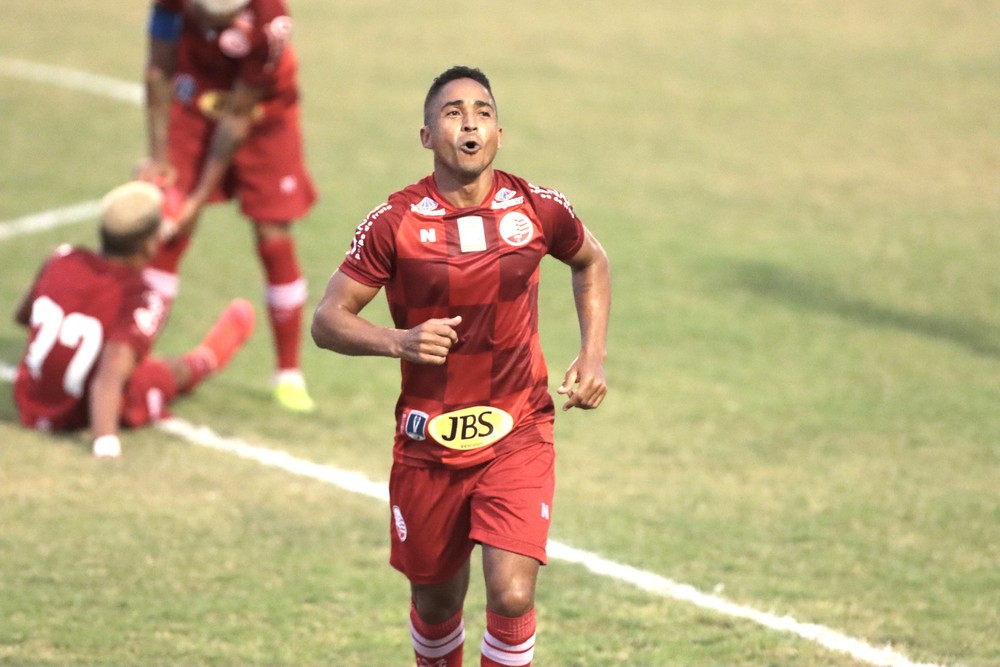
[(114, 368), (584, 382)]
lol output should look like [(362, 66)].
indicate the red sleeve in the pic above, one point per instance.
[(139, 320), (372, 256), (563, 230), (23, 313), (271, 33)]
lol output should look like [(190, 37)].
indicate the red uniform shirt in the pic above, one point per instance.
[(481, 263), (254, 48), (268, 174), (78, 303)]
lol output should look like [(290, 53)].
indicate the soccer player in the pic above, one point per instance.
[(223, 119), (92, 321), (458, 254)]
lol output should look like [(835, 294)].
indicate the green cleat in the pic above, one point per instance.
[(290, 392)]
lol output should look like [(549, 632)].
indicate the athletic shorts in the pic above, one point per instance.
[(439, 514), (145, 398), (148, 392), (268, 174)]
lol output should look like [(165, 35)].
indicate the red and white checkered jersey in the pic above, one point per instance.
[(482, 263)]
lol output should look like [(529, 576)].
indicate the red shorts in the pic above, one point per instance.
[(268, 174), (439, 514), (149, 390)]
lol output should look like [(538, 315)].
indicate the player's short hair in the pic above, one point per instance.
[(451, 74), (221, 6), (130, 214)]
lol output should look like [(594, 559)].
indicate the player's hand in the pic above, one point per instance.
[(160, 174), (430, 342), (584, 384)]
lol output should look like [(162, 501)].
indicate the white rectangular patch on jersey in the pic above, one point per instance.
[(471, 236)]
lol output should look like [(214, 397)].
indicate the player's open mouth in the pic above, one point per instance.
[(469, 146)]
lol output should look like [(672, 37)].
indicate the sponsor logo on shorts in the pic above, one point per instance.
[(516, 228), (470, 428), (397, 519), (212, 102)]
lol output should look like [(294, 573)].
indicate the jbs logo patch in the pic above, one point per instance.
[(470, 428)]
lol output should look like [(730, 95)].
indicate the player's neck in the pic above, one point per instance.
[(461, 193)]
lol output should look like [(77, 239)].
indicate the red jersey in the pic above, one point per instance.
[(79, 301), (254, 48), (482, 263)]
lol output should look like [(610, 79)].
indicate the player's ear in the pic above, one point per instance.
[(151, 246), (425, 137), (499, 137)]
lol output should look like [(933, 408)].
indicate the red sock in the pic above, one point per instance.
[(286, 296), (509, 642), (168, 257), (161, 273), (438, 645), (226, 336)]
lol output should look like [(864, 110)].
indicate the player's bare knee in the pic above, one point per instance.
[(511, 600)]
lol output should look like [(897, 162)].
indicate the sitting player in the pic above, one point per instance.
[(92, 323)]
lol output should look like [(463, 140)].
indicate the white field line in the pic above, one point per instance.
[(50, 219), (355, 482), (64, 77), (73, 79)]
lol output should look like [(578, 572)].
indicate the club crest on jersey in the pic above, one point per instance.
[(234, 43), (516, 228), (505, 199), (470, 428), (415, 424), (427, 206)]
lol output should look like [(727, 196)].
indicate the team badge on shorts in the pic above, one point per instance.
[(397, 519)]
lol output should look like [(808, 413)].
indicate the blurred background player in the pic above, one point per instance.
[(92, 322), (223, 122)]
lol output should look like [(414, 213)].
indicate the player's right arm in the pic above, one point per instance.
[(337, 326), (23, 313), (164, 32)]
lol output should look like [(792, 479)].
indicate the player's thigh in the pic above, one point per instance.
[(271, 179), (429, 522), (511, 505), (148, 392)]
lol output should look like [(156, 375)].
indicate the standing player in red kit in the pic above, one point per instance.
[(458, 254), (92, 322), (223, 117)]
